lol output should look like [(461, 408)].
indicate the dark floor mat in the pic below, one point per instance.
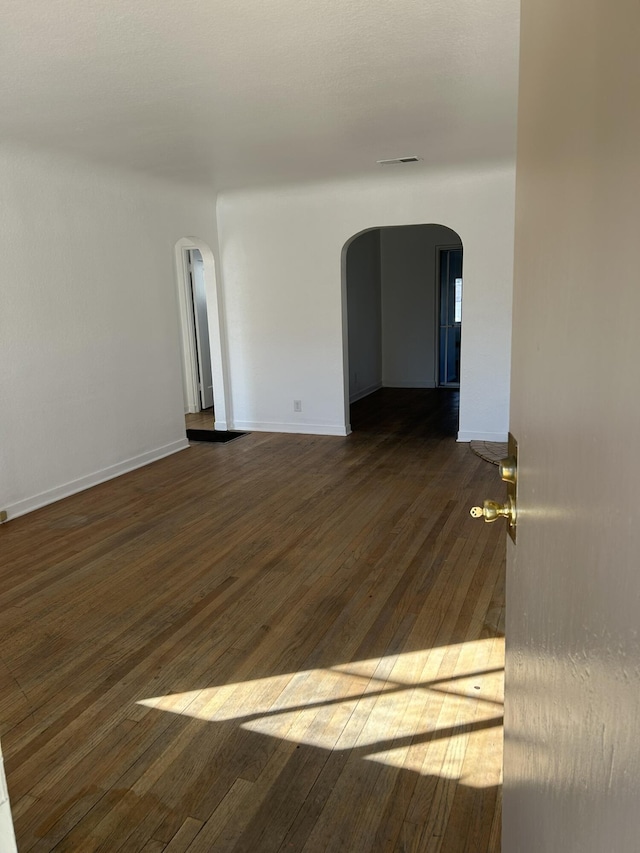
[(212, 435)]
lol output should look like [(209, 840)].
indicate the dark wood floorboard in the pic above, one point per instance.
[(284, 643), (199, 420)]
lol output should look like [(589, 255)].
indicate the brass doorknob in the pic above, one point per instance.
[(492, 511)]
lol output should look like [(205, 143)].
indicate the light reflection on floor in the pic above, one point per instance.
[(435, 712)]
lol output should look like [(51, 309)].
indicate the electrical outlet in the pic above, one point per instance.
[(3, 516), (297, 405)]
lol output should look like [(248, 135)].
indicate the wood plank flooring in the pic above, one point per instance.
[(284, 643), (199, 420)]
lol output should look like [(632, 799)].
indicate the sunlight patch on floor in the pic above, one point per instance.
[(435, 712)]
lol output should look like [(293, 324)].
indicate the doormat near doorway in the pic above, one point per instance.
[(490, 451), (215, 435)]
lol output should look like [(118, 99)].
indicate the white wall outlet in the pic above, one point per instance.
[(297, 405)]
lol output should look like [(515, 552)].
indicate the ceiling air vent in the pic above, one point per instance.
[(395, 160)]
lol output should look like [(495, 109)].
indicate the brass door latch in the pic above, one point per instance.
[(491, 510)]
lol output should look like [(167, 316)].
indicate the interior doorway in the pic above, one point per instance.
[(204, 372), (449, 313), (402, 310), (204, 367)]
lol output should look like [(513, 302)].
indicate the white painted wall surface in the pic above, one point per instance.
[(408, 264), (364, 306), (281, 257), (7, 835), (89, 345)]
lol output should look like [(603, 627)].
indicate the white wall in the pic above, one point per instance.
[(90, 383), (281, 257), (7, 835), (408, 264), (364, 306)]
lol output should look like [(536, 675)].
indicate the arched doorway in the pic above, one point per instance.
[(185, 250), (402, 310)]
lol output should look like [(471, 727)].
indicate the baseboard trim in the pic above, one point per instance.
[(359, 395), (82, 483), (299, 429), (221, 425), (482, 436), (421, 383)]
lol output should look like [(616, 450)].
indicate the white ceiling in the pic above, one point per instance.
[(252, 92)]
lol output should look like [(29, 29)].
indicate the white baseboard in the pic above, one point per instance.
[(359, 395), (423, 383), (482, 436), (299, 429), (419, 383), (220, 425), (79, 485)]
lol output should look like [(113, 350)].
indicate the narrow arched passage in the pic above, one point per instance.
[(215, 352), (402, 304)]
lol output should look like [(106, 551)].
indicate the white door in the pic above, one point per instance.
[(572, 716), (201, 322)]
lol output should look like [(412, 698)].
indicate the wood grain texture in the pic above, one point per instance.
[(199, 420), (288, 643)]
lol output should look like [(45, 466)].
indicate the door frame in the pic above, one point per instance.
[(345, 317), (219, 366), (189, 343), (443, 248), (201, 331)]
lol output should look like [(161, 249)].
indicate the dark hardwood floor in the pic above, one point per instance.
[(199, 420), (284, 643)]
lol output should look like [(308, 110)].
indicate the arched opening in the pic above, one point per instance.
[(402, 313), (204, 367)]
